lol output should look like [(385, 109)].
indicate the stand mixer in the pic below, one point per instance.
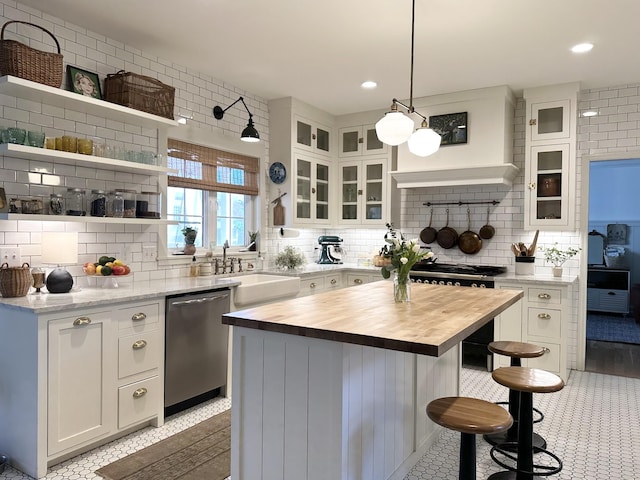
[(331, 250)]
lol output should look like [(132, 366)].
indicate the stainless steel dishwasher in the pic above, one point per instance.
[(195, 348)]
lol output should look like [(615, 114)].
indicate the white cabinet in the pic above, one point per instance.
[(312, 191), (313, 136), (355, 279), (608, 290), (320, 283), (364, 198), (550, 157), (360, 140), (80, 393), (540, 318), (36, 92)]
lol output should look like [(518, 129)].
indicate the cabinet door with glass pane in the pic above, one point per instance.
[(550, 120), (363, 191), (312, 136), (312, 200), (360, 140), (548, 199)]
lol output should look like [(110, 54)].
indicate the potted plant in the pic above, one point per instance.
[(290, 259), (190, 235), (557, 257), (253, 238)]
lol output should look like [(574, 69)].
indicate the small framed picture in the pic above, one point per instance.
[(452, 127), (4, 205), (83, 82)]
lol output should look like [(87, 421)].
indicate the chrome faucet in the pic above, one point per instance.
[(224, 252)]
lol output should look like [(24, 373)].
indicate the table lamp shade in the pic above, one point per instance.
[(59, 248)]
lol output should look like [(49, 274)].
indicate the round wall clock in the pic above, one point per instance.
[(277, 172)]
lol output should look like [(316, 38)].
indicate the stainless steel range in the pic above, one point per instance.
[(474, 347)]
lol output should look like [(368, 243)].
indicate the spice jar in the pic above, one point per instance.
[(116, 205), (98, 203), (56, 204), (74, 202), (129, 203)]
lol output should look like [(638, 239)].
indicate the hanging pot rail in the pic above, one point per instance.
[(460, 203)]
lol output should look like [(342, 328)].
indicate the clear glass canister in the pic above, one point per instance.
[(74, 202), (98, 203), (129, 203), (56, 204), (116, 205)]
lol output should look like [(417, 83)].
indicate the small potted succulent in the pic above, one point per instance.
[(190, 235)]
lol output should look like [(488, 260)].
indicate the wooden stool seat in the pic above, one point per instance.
[(516, 349), (531, 380), (469, 416)]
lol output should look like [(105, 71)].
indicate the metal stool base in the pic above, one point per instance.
[(501, 439), (513, 471)]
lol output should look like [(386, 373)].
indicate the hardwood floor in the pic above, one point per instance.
[(622, 359)]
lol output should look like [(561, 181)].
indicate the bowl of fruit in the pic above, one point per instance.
[(106, 266)]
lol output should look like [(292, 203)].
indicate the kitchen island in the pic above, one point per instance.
[(335, 385)]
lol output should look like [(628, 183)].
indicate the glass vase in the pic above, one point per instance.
[(401, 288)]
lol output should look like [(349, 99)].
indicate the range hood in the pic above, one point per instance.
[(503, 174)]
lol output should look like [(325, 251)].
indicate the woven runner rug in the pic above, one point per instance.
[(197, 453), (612, 328)]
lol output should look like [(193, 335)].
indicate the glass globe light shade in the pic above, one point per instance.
[(394, 128), (424, 142)]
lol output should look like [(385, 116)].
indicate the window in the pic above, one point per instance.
[(213, 191)]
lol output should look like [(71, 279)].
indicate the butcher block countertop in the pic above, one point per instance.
[(437, 318)]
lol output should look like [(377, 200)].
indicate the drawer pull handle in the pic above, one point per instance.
[(141, 392), (544, 296), (544, 316), (136, 317), (333, 281), (139, 344), (312, 285), (78, 322), (358, 281)]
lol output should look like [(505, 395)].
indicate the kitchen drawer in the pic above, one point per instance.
[(311, 285), (550, 361), (544, 296), (139, 352), (358, 279), (139, 317), (544, 322), (139, 401), (333, 281)]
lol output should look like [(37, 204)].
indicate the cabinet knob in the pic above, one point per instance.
[(312, 285), (139, 344), (136, 317), (358, 281), (313, 136), (141, 392), (532, 186), (78, 322), (359, 192), (313, 189), (533, 122), (544, 316), (544, 296), (360, 140), (333, 281), (546, 350)]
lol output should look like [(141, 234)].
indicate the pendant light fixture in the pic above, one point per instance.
[(397, 127), (249, 134)]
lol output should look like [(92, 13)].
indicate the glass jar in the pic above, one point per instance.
[(148, 205), (116, 205), (74, 202), (56, 204), (32, 205), (98, 203), (129, 203)]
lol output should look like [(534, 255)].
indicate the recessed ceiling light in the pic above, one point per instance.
[(589, 113), (369, 84), (582, 47)]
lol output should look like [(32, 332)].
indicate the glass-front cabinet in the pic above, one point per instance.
[(360, 140), (312, 196), (548, 197), (550, 120), (312, 136), (363, 192)]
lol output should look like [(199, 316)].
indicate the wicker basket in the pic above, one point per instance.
[(15, 281), (142, 93), (21, 61)]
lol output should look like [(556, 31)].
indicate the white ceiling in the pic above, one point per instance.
[(320, 51)]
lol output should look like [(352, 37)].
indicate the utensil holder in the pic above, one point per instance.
[(525, 265)]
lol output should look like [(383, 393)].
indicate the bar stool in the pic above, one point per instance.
[(527, 381), (516, 351), (469, 416)]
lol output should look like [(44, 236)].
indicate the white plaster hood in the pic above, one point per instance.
[(487, 156)]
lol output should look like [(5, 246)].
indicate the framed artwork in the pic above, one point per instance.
[(452, 127), (83, 82), (4, 205)]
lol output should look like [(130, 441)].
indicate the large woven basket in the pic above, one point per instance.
[(22, 61), (142, 93), (14, 281)]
